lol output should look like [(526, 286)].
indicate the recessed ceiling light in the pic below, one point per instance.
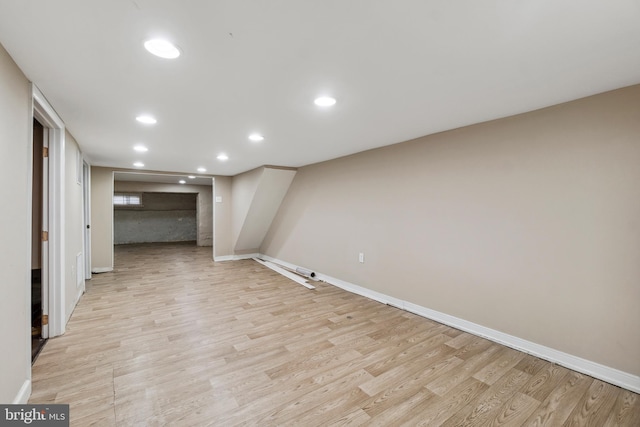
[(222, 157), (162, 48), (192, 177), (324, 101), (201, 169), (138, 164), (146, 119), (256, 137), (141, 148), (182, 181)]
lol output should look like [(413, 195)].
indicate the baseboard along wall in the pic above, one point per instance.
[(605, 373)]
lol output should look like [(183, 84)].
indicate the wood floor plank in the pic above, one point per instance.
[(333, 409), (514, 412), (406, 353), (495, 369), (555, 409), (445, 383), (475, 345), (594, 406), (545, 381), (626, 410), (402, 373), (172, 338), (394, 393), (445, 407), (531, 364), (395, 414), (487, 405)]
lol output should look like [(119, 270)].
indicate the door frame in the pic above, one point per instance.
[(213, 219), (44, 245), (55, 135), (86, 226)]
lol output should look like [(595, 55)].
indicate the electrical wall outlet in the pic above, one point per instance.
[(361, 257)]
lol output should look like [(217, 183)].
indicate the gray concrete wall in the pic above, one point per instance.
[(204, 202), (164, 217)]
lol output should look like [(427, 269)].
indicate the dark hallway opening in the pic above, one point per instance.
[(37, 203)]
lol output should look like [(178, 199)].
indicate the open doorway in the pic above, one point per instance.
[(39, 206), (154, 217), (51, 233), (188, 196)]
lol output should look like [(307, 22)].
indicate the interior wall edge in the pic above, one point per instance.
[(605, 373), (22, 397)]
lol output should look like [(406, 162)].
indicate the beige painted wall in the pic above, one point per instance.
[(73, 226), (205, 204), (243, 188), (222, 215), (15, 228), (101, 219), (529, 225), (273, 184)]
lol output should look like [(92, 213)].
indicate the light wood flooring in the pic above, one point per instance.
[(172, 338)]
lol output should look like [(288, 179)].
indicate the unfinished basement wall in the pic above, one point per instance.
[(163, 217), (203, 193), (528, 225)]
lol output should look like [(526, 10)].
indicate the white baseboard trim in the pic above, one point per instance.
[(23, 394), (234, 257), (596, 370), (605, 373), (99, 270)]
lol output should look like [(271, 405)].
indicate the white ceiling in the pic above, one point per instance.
[(165, 178), (399, 69)]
